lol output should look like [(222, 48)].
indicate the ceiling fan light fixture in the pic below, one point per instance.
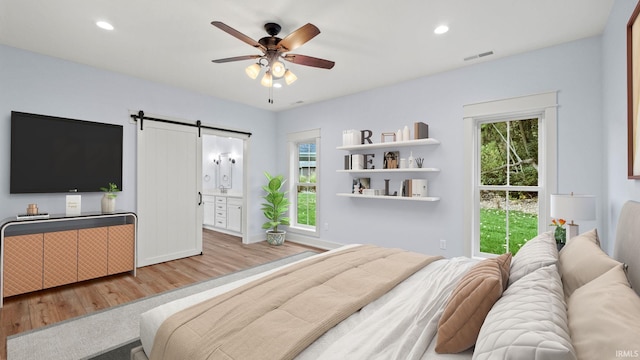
[(441, 29), (253, 71), (290, 77), (267, 79), (277, 69), (104, 25)]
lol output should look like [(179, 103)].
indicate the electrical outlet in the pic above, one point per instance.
[(443, 244), (326, 226)]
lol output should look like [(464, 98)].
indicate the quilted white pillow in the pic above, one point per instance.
[(528, 322), (538, 252)]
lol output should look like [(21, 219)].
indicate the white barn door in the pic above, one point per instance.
[(168, 204)]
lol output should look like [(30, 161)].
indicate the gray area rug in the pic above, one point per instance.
[(108, 333)]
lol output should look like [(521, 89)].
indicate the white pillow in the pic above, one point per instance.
[(528, 322), (538, 252)]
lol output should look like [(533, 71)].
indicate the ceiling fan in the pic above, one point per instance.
[(275, 49)]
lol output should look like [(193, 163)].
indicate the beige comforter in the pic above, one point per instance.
[(276, 317)]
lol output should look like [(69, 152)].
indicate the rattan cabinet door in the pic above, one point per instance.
[(60, 258), (121, 248), (22, 264), (92, 253)]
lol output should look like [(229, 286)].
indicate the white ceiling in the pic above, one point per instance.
[(373, 42)]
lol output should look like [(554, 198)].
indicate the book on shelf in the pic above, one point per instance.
[(414, 188), (347, 162), (357, 162), (420, 130)]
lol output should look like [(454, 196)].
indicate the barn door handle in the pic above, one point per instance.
[(200, 196)]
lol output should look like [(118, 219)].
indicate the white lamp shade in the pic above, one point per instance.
[(267, 80), (289, 77), (253, 71), (573, 207)]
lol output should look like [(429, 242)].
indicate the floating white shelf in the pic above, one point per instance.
[(398, 171), (382, 197), (393, 144)]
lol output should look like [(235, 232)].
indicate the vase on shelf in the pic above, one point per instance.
[(108, 203)]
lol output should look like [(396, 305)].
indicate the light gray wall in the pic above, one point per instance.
[(573, 69), (40, 84), (618, 188)]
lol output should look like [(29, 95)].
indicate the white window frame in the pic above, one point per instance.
[(293, 140), (542, 106)]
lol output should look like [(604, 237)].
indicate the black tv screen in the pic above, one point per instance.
[(52, 154)]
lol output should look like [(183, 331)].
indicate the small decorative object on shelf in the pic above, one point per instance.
[(350, 137), (388, 134), (418, 187), (411, 161), (390, 160), (419, 162), (108, 203), (399, 135), (405, 134), (560, 233), (32, 209), (360, 184), (73, 205)]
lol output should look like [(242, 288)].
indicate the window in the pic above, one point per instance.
[(511, 152), (303, 188)]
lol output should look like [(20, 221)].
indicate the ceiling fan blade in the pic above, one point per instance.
[(298, 37), (309, 61), (237, 34), (236, 58)]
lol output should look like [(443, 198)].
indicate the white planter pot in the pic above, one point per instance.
[(108, 204), (276, 238)]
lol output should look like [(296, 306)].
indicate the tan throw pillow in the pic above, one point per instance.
[(582, 260), (469, 304), (604, 318)]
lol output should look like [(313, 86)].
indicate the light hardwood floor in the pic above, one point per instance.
[(222, 254)]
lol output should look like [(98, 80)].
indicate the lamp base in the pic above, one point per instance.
[(572, 230)]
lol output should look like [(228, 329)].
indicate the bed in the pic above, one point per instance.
[(578, 303)]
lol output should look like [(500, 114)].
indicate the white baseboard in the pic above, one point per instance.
[(303, 240)]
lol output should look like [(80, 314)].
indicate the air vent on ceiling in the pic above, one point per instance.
[(477, 56)]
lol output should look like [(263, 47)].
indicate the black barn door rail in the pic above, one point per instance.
[(140, 117)]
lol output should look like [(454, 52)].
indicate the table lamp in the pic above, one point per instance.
[(574, 207)]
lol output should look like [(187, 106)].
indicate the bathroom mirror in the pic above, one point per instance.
[(224, 173)]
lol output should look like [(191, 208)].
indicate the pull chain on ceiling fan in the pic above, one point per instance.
[(274, 49)]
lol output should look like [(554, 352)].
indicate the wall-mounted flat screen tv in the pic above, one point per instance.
[(53, 154)]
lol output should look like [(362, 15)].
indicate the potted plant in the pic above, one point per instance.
[(109, 198), (274, 208)]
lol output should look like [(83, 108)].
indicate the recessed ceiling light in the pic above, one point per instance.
[(441, 29), (104, 25)]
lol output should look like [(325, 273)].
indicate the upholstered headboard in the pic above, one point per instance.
[(627, 246)]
